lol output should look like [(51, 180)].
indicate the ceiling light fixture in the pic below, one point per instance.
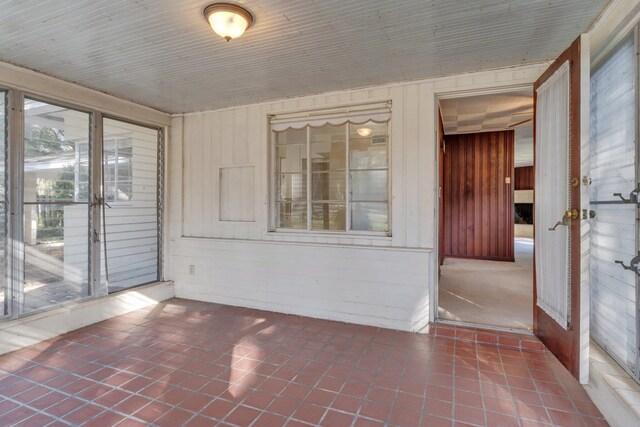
[(228, 20), (364, 132)]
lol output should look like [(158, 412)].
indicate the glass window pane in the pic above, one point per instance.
[(56, 196), (291, 187), (130, 161), (369, 185), (292, 136), (56, 158), (3, 146), (4, 302), (328, 216), (328, 186), (118, 170), (82, 184), (56, 254), (292, 215), (367, 216), (368, 146), (328, 148), (291, 158)]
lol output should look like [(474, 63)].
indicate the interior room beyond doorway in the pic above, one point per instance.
[(486, 210)]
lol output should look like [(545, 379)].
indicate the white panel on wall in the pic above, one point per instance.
[(237, 194)]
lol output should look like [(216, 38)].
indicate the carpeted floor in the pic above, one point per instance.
[(491, 293)]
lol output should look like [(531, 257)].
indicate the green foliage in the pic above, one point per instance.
[(46, 142), (63, 187)]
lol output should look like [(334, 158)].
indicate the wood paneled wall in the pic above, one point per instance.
[(478, 195), (524, 178)]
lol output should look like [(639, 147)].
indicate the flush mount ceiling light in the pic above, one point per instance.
[(228, 20), (364, 132)]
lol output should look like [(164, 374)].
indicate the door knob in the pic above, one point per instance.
[(571, 214)]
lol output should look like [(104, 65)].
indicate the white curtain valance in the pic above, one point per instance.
[(357, 114)]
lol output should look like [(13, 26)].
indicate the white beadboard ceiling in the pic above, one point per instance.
[(494, 112), (161, 53)]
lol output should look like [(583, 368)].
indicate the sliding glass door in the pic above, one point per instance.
[(80, 204), (56, 204)]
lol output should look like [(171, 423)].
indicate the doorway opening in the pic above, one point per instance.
[(486, 210)]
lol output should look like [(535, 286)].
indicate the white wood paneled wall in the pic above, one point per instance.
[(237, 193), (383, 281)]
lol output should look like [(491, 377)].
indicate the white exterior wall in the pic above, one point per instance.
[(381, 281)]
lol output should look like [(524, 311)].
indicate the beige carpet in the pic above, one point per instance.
[(491, 293)]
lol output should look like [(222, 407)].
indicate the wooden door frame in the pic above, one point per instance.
[(435, 264)]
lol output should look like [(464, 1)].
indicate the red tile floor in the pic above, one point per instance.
[(200, 364)]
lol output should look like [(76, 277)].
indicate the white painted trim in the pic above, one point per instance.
[(300, 243), (615, 22), (585, 242), (166, 211), (44, 325), (455, 93), (41, 85)]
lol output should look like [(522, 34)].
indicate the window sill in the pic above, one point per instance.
[(338, 234), (331, 238), (614, 392), (48, 323)]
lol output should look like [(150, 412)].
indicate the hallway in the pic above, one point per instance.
[(494, 293)]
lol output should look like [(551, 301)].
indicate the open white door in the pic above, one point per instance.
[(561, 304)]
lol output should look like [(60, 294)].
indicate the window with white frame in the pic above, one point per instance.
[(331, 170)]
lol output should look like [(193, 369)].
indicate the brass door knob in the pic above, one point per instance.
[(571, 214)]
